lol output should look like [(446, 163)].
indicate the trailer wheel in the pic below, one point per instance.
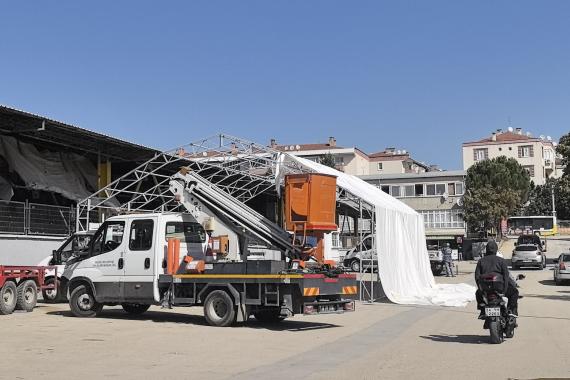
[(8, 297), (27, 295), (219, 309), (269, 315), (82, 303), (134, 308), (51, 295)]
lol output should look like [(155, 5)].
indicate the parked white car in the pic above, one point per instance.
[(562, 268)]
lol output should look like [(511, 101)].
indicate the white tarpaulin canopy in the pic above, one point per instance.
[(404, 266)]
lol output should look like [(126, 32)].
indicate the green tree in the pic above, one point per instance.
[(563, 149), (328, 160), (495, 189), (540, 199)]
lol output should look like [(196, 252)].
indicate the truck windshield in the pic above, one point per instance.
[(187, 232)]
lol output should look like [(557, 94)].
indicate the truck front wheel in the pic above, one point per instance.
[(219, 309), (82, 303)]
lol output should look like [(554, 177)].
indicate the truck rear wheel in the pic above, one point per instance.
[(82, 303), (134, 308), (219, 309), (8, 298), (269, 315), (27, 295)]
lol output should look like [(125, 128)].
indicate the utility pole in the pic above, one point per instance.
[(553, 201)]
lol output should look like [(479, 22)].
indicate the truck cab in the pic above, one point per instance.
[(128, 252)]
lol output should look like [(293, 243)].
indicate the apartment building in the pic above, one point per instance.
[(437, 196), (536, 154), (354, 161), (392, 161), (348, 160)]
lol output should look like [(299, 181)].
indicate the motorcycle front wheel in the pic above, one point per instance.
[(496, 332)]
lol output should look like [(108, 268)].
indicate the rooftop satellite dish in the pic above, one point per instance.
[(510, 129), (404, 151), (541, 137), (549, 138), (297, 147), (292, 147), (528, 134)]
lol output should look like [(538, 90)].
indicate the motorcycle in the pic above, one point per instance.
[(497, 317)]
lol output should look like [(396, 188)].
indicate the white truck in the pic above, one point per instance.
[(127, 264)]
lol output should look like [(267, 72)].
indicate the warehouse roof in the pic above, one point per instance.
[(52, 134)]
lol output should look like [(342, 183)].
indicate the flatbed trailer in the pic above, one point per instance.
[(268, 297), (19, 286)]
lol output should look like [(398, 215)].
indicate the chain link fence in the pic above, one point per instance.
[(24, 218)]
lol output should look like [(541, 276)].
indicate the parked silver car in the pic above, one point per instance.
[(562, 268)]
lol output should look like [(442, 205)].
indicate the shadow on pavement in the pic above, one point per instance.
[(465, 339), (548, 282), (198, 320)]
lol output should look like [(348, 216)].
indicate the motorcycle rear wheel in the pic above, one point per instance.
[(495, 332)]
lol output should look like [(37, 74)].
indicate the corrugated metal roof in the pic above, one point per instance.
[(30, 127)]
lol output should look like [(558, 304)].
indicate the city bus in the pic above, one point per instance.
[(544, 225)]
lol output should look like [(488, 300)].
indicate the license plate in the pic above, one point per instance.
[(493, 311)]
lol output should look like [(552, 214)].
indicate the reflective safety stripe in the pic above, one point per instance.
[(311, 292), (349, 290)]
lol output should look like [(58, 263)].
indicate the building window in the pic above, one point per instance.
[(420, 190), (395, 191), (480, 154), (335, 240), (409, 191), (436, 219), (339, 160), (380, 166), (526, 151), (451, 188), (529, 169), (386, 189), (459, 188), (435, 189)]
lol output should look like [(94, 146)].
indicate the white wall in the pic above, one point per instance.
[(23, 250)]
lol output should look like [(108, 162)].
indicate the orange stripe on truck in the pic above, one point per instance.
[(349, 290), (311, 292)]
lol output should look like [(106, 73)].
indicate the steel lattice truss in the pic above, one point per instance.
[(242, 168), (239, 167)]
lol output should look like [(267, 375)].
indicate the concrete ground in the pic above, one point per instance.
[(382, 340)]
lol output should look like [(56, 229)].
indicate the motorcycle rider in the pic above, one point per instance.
[(492, 263)]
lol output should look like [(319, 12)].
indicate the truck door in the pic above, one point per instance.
[(107, 258), (140, 261)]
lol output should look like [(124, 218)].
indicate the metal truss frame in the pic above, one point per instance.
[(239, 167)]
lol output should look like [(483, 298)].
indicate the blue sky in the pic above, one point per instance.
[(423, 76)]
